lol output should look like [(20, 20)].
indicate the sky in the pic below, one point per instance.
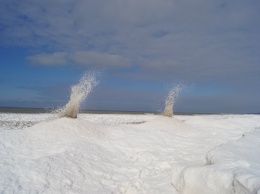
[(141, 47)]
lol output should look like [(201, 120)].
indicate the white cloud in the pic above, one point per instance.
[(58, 58), (84, 58), (96, 59)]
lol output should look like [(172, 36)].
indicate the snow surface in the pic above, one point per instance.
[(111, 153)]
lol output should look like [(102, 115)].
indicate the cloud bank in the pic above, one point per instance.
[(84, 58)]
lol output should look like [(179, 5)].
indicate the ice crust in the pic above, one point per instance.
[(130, 154)]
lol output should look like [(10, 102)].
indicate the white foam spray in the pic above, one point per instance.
[(171, 99), (78, 94)]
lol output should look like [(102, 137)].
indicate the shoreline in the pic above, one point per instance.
[(28, 110)]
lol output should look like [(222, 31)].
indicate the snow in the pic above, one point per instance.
[(120, 153), (232, 167)]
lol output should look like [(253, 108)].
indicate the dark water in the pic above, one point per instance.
[(49, 110), (24, 110)]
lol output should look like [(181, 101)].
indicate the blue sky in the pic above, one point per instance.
[(143, 47)]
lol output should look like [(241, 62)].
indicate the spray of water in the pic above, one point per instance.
[(78, 94), (170, 100)]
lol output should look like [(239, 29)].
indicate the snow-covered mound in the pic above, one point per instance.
[(232, 167), (240, 159), (65, 128), (131, 154), (57, 135)]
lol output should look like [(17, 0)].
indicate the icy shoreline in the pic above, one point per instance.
[(130, 154)]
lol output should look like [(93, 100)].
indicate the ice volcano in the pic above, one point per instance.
[(170, 100), (78, 94)]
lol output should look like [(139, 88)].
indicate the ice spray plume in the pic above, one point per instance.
[(170, 100), (78, 94)]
